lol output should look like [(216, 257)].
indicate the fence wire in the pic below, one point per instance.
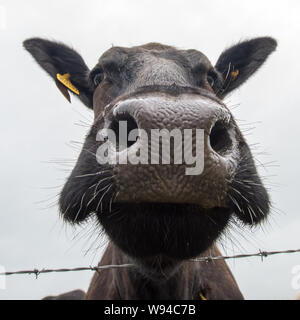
[(261, 254)]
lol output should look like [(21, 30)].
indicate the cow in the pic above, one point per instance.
[(160, 214)]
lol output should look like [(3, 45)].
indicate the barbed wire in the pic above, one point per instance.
[(37, 272), (262, 254)]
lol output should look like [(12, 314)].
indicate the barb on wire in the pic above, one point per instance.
[(262, 254)]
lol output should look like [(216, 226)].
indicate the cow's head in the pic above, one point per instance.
[(161, 207)]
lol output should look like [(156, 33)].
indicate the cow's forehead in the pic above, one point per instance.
[(187, 58)]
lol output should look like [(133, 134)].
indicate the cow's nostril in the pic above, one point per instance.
[(122, 124), (220, 139)]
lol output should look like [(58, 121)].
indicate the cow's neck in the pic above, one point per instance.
[(185, 280), (165, 279)]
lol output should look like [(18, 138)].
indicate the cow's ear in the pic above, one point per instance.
[(237, 63), (65, 66)]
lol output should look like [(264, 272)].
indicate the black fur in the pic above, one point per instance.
[(248, 197)]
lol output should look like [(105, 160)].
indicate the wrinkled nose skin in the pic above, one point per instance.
[(170, 183)]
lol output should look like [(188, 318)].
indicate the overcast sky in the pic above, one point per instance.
[(37, 125)]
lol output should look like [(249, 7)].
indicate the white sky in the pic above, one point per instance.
[(37, 125)]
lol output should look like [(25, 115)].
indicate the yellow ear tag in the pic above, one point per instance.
[(65, 80), (202, 297), (234, 74)]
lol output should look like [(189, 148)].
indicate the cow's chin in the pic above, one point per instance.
[(163, 233)]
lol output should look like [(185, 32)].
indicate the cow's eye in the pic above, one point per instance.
[(210, 79), (97, 76)]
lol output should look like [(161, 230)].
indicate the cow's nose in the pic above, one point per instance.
[(123, 123), (167, 175), (133, 115), (220, 137)]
